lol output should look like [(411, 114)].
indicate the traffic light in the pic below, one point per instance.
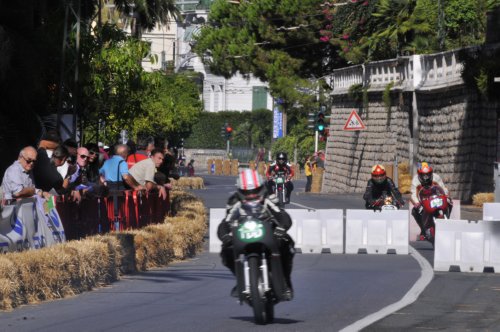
[(311, 120), (320, 122), (229, 131)]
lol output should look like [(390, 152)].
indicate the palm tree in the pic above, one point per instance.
[(399, 23), (147, 13)]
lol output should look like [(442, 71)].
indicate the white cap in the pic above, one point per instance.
[(100, 144)]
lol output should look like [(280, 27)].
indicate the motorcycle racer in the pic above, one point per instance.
[(280, 165), (425, 178), (377, 185), (251, 197)]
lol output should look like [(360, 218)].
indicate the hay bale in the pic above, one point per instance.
[(405, 183), (480, 198), (9, 284)]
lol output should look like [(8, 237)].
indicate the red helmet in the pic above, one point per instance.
[(424, 174), (378, 174)]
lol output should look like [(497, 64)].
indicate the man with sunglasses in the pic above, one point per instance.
[(18, 178)]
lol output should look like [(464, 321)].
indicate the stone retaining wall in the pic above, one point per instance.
[(457, 136)]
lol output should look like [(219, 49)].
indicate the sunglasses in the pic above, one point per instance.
[(92, 153), (29, 161), (83, 156)]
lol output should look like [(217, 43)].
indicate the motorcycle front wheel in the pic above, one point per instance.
[(263, 309)]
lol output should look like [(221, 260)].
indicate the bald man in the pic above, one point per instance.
[(114, 171), (18, 178)]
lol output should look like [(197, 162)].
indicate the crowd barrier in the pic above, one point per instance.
[(120, 210), (467, 246), (29, 224)]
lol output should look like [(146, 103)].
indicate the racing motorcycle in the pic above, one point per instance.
[(386, 202), (280, 188), (258, 266), (435, 206)]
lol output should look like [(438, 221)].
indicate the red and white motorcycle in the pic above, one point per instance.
[(435, 206)]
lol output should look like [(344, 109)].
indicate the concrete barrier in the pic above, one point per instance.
[(491, 211), (467, 246), (376, 232)]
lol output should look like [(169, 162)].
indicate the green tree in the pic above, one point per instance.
[(147, 13), (114, 84), (277, 41), (171, 107)]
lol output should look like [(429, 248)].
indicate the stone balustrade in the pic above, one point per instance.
[(416, 72)]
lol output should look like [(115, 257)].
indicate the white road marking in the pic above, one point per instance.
[(410, 297), (303, 206)]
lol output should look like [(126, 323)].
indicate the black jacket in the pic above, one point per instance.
[(375, 191)]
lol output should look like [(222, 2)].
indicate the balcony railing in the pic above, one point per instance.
[(417, 72)]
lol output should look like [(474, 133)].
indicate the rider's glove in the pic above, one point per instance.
[(227, 240), (419, 208), (279, 232)]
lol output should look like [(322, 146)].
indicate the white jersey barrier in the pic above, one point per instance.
[(216, 216), (317, 231), (415, 230), (471, 246), (491, 211), (376, 232), (314, 231)]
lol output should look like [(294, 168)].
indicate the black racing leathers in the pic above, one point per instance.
[(374, 193), (268, 211)]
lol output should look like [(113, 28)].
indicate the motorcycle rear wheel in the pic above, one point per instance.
[(263, 309)]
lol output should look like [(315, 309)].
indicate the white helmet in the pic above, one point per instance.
[(250, 185)]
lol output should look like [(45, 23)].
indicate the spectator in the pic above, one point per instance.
[(320, 159), (144, 172), (49, 142), (45, 173), (94, 162), (114, 173), (137, 152), (309, 168), (69, 167), (168, 167), (104, 153), (18, 178), (190, 167)]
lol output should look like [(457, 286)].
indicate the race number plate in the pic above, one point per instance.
[(279, 180), (436, 202), (251, 231)]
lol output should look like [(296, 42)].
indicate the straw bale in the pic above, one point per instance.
[(76, 266), (46, 273), (9, 284), (160, 245), (480, 198), (188, 183)]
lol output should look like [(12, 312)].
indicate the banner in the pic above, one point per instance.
[(277, 123), (31, 223)]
